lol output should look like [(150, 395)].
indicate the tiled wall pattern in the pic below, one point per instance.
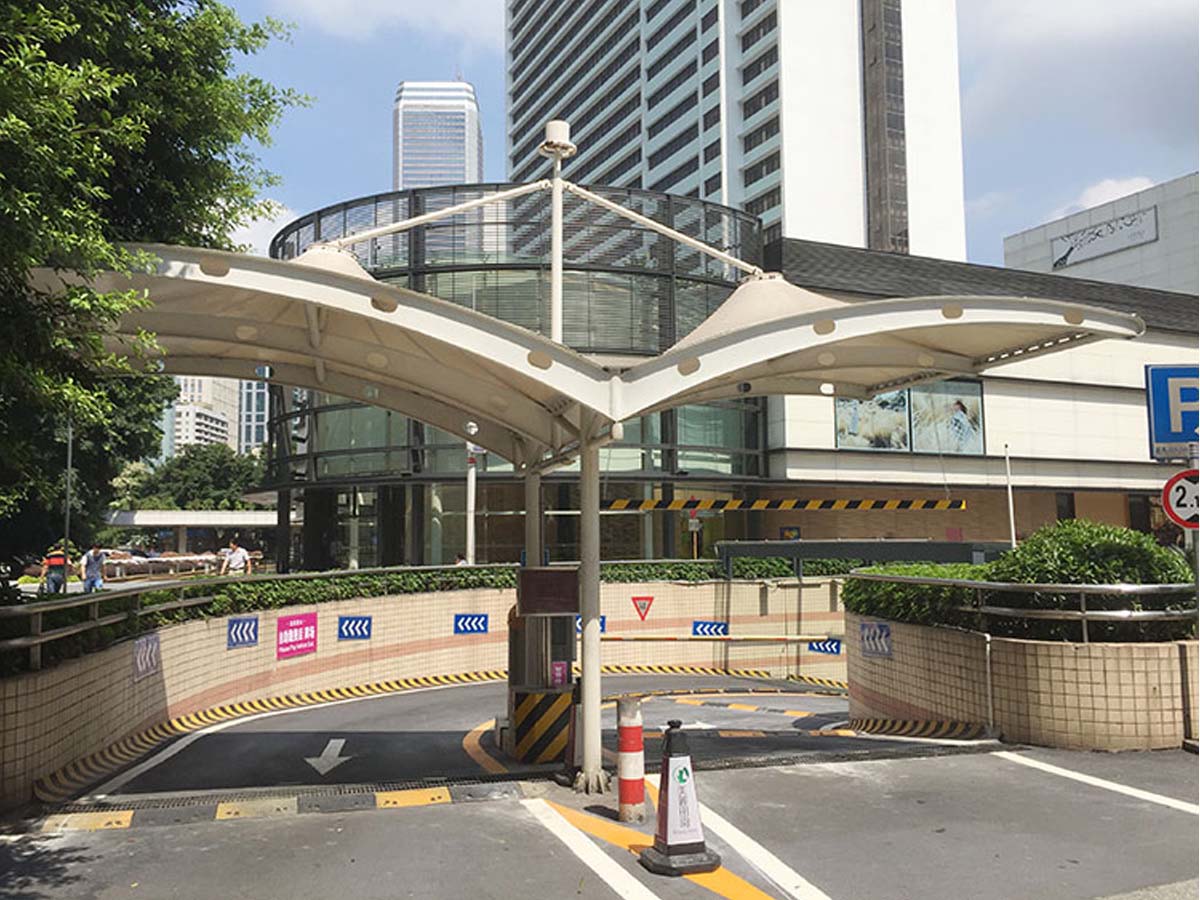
[(53, 717), (1078, 696)]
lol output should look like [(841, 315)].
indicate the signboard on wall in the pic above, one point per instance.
[(295, 635), (1119, 233), (945, 417)]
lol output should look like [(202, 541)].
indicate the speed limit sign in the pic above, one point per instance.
[(1181, 499)]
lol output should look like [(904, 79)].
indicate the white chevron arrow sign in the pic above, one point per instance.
[(833, 645), (710, 629), (468, 623), (876, 638), (242, 632), (145, 656), (354, 628)]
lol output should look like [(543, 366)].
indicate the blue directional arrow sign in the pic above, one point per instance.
[(579, 624), (241, 631), (875, 638), (833, 646), (354, 628), (470, 623), (710, 629)]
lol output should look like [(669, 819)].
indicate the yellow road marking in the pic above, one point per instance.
[(745, 707), (688, 701), (797, 713), (721, 882), (414, 797), (741, 734), (266, 808), (474, 748), (89, 821)]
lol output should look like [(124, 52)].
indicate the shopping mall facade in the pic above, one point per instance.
[(372, 487)]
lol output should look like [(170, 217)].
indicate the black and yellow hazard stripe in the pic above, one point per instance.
[(71, 779), (681, 670), (919, 728), (821, 682), (792, 503), (541, 725)]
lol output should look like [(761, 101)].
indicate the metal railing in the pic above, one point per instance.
[(1083, 615), (34, 612)]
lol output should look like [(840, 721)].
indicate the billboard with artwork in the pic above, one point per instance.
[(946, 417)]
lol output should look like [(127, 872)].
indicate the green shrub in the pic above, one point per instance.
[(1067, 552), (920, 604)]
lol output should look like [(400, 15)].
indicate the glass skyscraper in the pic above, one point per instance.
[(436, 135)]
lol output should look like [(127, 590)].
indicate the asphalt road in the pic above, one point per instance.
[(794, 813), (968, 826), (420, 735)]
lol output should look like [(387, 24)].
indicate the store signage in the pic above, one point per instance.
[(1120, 233)]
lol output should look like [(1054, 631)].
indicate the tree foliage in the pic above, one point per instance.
[(201, 476), (120, 121)]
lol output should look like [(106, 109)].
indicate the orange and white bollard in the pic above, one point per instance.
[(631, 761)]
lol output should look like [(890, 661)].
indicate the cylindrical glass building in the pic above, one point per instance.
[(376, 488)]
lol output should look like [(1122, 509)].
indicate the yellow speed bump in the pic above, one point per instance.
[(412, 797), (89, 821)]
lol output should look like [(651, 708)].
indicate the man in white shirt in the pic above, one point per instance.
[(91, 569), (237, 560)]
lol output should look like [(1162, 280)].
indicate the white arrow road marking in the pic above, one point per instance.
[(330, 757), (788, 879)]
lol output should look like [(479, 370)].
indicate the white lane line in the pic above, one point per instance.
[(608, 869), (780, 873), (115, 784), (1160, 799)]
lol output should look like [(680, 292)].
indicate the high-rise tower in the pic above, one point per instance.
[(436, 135), (832, 120)]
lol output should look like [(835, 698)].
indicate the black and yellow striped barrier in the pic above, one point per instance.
[(798, 504), (919, 728), (541, 725), (821, 682)]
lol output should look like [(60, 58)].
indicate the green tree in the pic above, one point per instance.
[(201, 476), (120, 120)]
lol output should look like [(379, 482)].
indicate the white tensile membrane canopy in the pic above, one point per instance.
[(321, 321)]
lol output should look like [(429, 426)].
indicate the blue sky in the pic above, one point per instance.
[(1065, 104)]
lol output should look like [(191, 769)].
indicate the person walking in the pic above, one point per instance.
[(54, 570), (91, 568), (237, 560)]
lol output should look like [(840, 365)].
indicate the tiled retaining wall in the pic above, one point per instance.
[(1097, 696), (53, 717)]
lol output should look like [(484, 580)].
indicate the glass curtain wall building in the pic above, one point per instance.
[(377, 488), (856, 99), (436, 134)]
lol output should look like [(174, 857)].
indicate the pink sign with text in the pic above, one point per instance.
[(295, 635)]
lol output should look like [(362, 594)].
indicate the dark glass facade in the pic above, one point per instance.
[(377, 488), (883, 121)]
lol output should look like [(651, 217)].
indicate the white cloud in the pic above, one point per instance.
[(258, 233), (1102, 192), (474, 23)]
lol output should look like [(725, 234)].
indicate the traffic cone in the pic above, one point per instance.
[(679, 838)]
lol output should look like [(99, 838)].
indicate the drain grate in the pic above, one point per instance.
[(300, 792)]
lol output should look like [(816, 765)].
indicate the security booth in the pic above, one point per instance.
[(541, 661)]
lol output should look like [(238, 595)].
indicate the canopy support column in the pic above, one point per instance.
[(592, 778)]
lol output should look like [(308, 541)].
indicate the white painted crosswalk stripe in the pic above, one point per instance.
[(622, 883)]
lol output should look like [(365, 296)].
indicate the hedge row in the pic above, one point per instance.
[(1068, 552), (253, 594)]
